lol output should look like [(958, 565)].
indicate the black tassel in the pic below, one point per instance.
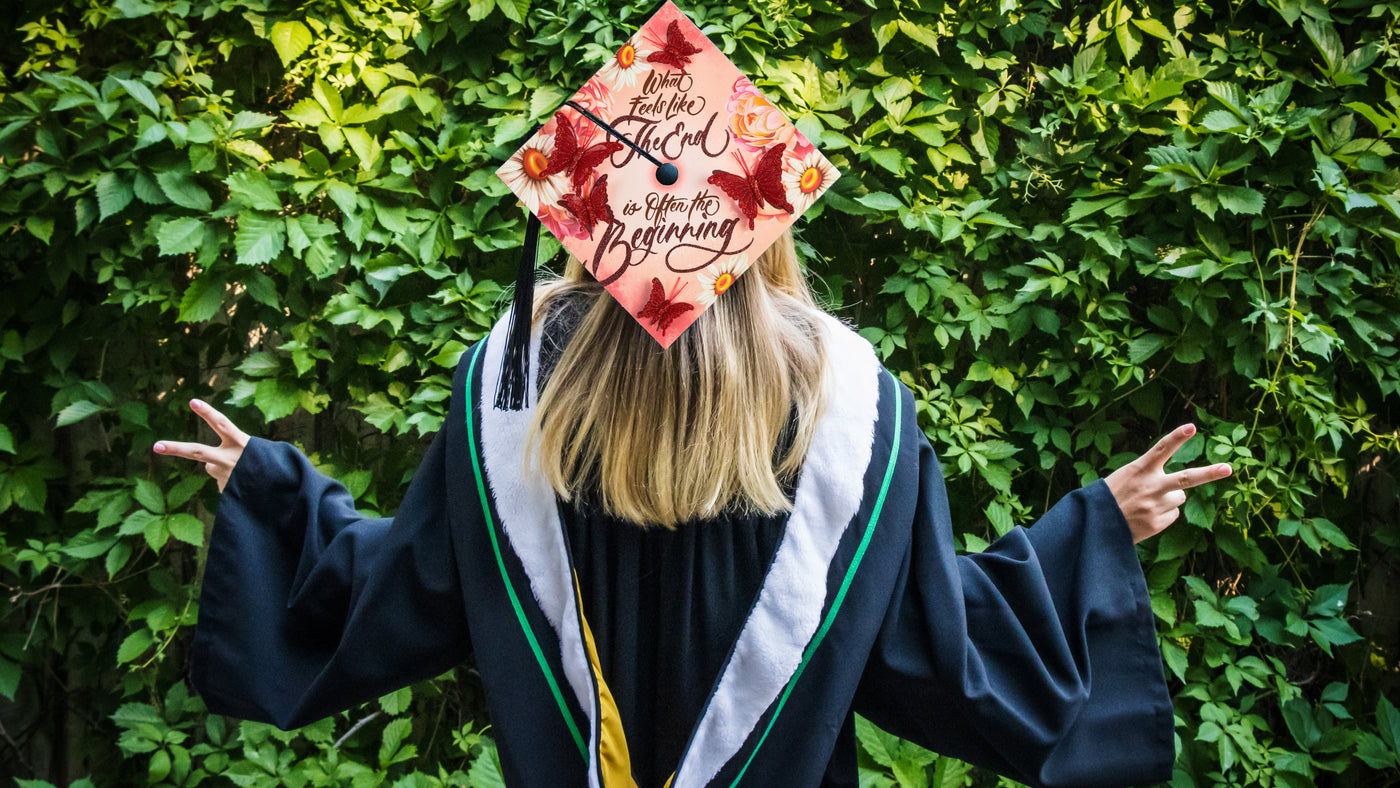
[(513, 391)]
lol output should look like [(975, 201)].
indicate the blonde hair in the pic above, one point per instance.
[(719, 421)]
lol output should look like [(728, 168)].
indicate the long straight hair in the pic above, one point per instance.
[(720, 421)]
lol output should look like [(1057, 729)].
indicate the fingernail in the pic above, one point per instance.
[(1189, 429), (196, 404), (1223, 469), (159, 448)]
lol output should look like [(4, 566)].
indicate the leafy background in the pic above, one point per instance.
[(1071, 227)]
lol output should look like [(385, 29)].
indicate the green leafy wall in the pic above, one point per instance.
[(1069, 227)]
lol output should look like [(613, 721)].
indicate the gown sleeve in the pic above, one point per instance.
[(1037, 658), (307, 607)]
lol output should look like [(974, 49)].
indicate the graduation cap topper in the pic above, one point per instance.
[(667, 174)]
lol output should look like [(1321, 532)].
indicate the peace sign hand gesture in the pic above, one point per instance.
[(1150, 497), (218, 460)]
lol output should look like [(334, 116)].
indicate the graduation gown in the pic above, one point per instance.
[(736, 651)]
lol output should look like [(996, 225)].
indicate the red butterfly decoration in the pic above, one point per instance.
[(661, 309), (591, 208), (677, 51), (580, 162), (762, 186)]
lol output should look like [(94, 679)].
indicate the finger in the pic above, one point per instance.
[(190, 451), (1195, 477), (1174, 498), (218, 422), (1165, 519), (1158, 455)]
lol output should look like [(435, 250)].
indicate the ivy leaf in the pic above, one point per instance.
[(113, 194), (1388, 723), (187, 528), (307, 111), (305, 229), (86, 545), (249, 148), (366, 147), (40, 227), (880, 201), (260, 365), (999, 515), (1241, 199), (1143, 348), (1129, 40), (7, 441), (130, 715), (545, 99), (249, 121), (1154, 28), (77, 412), (1232, 96), (276, 397), (478, 10), (132, 9), (180, 187), (882, 747), (202, 299), (1371, 749), (154, 133), (24, 488), (180, 236), (1329, 531), (156, 533), (891, 158), (148, 495), (926, 36), (329, 99), (9, 682), (515, 10), (1329, 600), (134, 645), (261, 288), (485, 771), (1221, 120), (396, 702), (139, 91), (259, 238), (253, 189), (290, 39), (1325, 38)]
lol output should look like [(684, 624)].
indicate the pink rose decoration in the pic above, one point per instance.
[(755, 122), (560, 222)]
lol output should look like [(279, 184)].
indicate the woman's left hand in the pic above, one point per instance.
[(1150, 497)]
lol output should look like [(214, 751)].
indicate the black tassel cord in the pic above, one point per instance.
[(513, 391)]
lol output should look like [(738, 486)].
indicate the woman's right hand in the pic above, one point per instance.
[(218, 460)]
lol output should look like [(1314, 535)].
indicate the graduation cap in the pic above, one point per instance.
[(667, 174)]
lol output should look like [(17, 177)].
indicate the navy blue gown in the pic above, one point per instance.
[(731, 652)]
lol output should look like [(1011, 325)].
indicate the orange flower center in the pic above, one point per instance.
[(723, 282), (626, 56), (535, 163), (811, 179)]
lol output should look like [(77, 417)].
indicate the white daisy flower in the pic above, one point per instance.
[(524, 174), (718, 278), (806, 178), (624, 67)]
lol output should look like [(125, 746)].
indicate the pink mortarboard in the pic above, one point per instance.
[(667, 175)]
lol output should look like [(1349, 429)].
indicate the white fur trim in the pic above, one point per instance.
[(530, 520), (789, 607)]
